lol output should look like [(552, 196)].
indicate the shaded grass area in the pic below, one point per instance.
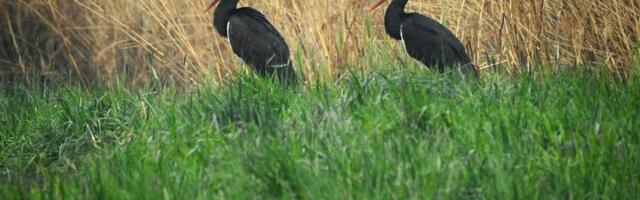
[(393, 133)]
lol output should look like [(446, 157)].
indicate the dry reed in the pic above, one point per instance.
[(172, 40)]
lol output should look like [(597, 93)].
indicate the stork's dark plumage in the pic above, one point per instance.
[(425, 39), (253, 39)]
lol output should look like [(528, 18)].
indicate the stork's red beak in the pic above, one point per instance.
[(213, 3), (376, 5)]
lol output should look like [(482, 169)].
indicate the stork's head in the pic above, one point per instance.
[(214, 2)]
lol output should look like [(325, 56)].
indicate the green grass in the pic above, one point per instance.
[(381, 134)]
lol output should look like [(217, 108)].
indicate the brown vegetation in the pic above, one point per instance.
[(172, 40)]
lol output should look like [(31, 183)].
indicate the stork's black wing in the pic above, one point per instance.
[(432, 43), (259, 44)]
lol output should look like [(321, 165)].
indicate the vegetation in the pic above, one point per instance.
[(387, 133), (140, 99), (100, 42)]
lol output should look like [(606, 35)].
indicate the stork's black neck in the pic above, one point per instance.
[(222, 14), (394, 17)]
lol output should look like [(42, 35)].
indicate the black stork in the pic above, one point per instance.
[(425, 39), (254, 39)]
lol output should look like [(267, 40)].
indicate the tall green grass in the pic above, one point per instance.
[(381, 134)]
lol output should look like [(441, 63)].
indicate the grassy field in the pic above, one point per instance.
[(398, 132), (141, 99), (96, 42)]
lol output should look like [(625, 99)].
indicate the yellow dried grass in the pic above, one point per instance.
[(149, 40)]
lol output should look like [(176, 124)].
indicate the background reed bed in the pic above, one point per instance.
[(172, 41)]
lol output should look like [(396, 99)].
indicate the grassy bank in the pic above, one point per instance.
[(93, 41), (392, 133)]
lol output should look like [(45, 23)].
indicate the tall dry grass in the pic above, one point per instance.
[(172, 40)]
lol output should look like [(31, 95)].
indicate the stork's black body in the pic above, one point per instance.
[(254, 39), (425, 39)]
